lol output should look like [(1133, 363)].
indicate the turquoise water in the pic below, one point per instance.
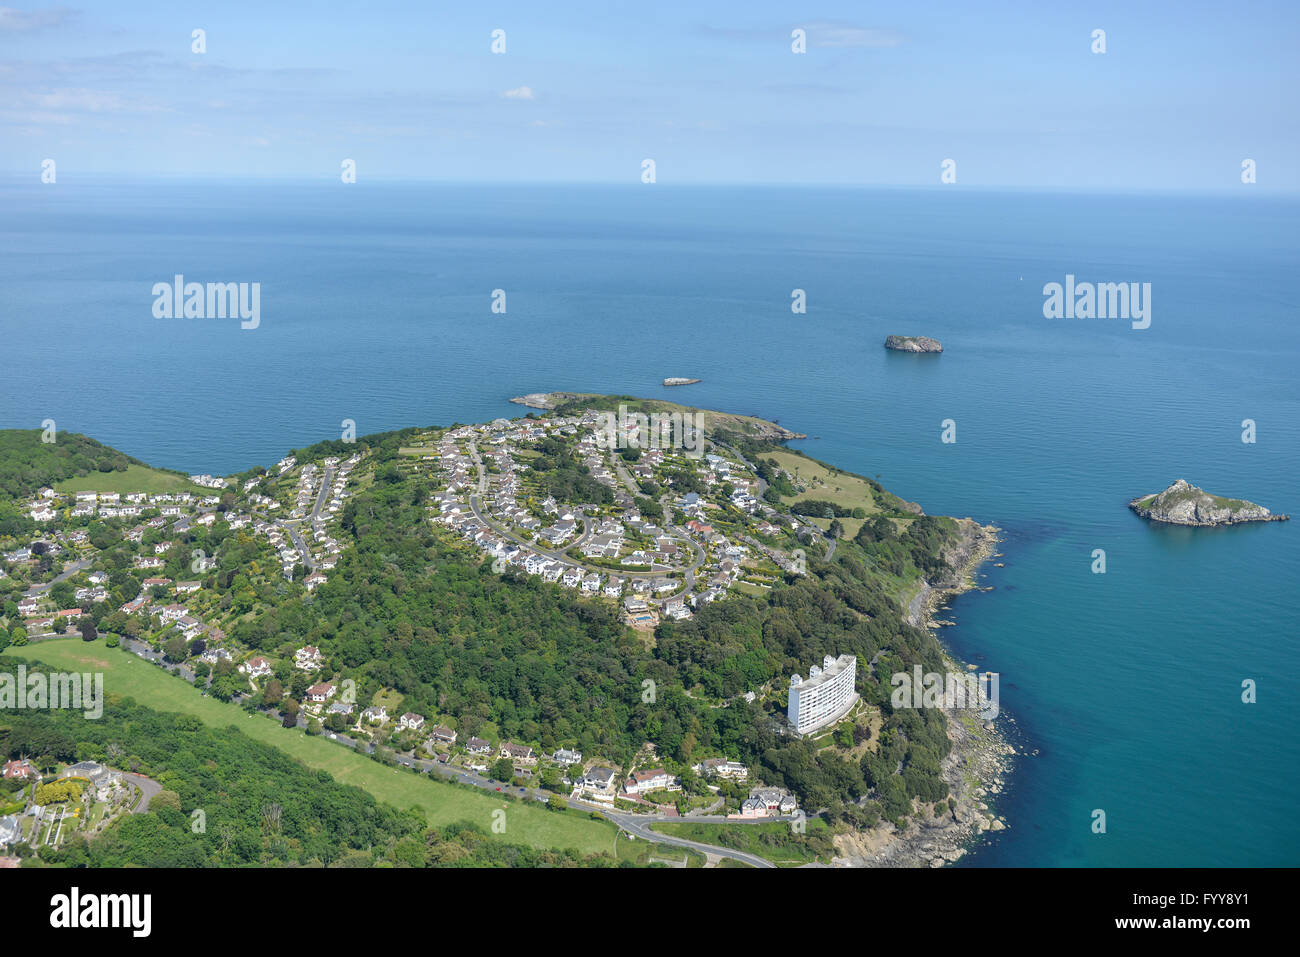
[(1124, 688)]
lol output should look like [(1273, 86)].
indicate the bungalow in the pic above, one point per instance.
[(185, 588), (477, 746), (566, 757), (340, 707)]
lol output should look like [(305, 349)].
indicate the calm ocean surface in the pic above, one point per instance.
[(1124, 688)]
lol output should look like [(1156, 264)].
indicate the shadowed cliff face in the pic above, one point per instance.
[(1185, 504)]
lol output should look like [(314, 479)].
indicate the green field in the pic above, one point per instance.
[(136, 478), (773, 841), (826, 484), (644, 853), (442, 803)]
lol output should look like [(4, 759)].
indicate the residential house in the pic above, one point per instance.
[(307, 658), (655, 779), (442, 734), (722, 768), (520, 753), (321, 692), (20, 769), (257, 667), (599, 779)]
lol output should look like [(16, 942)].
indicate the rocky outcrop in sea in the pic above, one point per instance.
[(913, 344), (1185, 504)]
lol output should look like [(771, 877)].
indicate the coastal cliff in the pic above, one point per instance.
[(1185, 504), (977, 767), (913, 344)]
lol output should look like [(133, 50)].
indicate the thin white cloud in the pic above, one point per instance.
[(89, 101), (830, 34), (20, 21), (520, 93)]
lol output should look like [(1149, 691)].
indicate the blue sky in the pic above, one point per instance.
[(710, 91)]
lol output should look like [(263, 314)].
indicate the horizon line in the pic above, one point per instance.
[(11, 177)]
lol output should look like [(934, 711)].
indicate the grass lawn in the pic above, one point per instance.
[(442, 803), (851, 526), (773, 840), (644, 853), (136, 478), (825, 484)]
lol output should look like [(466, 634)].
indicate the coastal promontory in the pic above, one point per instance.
[(913, 344), (1185, 504)]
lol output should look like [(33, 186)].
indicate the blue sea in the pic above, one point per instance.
[(1121, 691)]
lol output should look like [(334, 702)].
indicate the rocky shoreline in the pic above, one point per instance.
[(976, 767)]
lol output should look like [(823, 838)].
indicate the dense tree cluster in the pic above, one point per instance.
[(27, 463), (407, 608)]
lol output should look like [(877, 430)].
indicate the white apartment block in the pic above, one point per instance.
[(825, 696)]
